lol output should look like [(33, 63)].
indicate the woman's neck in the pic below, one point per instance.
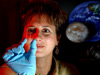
[(43, 64)]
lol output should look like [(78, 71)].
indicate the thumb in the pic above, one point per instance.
[(33, 48)]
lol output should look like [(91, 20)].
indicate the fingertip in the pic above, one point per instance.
[(25, 40), (34, 40), (33, 44)]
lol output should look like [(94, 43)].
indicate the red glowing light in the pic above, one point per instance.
[(33, 36)]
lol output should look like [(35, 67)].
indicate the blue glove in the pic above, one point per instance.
[(19, 61)]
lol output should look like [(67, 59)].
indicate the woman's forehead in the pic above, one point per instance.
[(39, 19)]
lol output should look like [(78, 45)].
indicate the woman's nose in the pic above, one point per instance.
[(39, 37)]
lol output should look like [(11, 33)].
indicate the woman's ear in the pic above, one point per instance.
[(58, 39)]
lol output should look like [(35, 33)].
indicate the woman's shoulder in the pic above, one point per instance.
[(64, 68), (6, 70)]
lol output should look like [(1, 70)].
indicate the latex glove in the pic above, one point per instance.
[(19, 61)]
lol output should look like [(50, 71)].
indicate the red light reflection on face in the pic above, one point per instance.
[(32, 36), (34, 33)]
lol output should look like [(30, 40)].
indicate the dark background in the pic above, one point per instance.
[(75, 53)]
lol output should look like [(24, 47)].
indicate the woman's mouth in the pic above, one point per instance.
[(40, 46)]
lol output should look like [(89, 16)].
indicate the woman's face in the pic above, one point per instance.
[(46, 39)]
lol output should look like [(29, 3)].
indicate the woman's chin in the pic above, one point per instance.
[(38, 54)]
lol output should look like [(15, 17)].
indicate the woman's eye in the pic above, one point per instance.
[(31, 31), (46, 31)]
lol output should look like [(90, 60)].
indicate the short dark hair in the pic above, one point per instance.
[(51, 9)]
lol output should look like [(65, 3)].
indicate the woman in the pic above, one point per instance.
[(42, 23)]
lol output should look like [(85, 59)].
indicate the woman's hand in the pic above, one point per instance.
[(19, 61)]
